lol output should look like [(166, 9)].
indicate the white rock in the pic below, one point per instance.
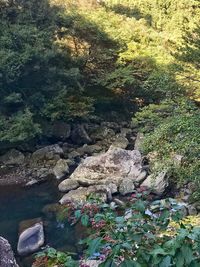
[(110, 167), (31, 239), (157, 183)]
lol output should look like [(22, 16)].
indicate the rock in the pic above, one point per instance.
[(128, 214), (110, 167), (157, 184), (191, 210), (68, 185), (31, 239), (13, 157), (138, 141), (79, 135), (197, 206), (61, 130), (178, 159), (112, 125), (47, 153), (81, 194), (121, 141), (125, 131), (73, 155), (31, 182), (103, 133), (127, 186), (42, 173), (61, 168), (89, 149), (119, 202), (6, 254), (23, 225)]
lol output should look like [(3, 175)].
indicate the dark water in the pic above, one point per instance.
[(18, 204)]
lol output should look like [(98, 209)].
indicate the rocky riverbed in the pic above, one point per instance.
[(101, 158)]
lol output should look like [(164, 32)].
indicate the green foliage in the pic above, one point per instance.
[(172, 129), (19, 127), (139, 234), (51, 257), (64, 60)]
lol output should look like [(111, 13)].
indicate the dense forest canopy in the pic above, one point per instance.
[(69, 60)]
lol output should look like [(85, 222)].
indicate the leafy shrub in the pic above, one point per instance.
[(137, 234), (51, 257), (19, 127), (172, 129)]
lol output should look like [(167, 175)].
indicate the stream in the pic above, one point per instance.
[(19, 204)]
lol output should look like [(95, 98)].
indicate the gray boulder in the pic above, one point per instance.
[(31, 239), (127, 186), (111, 167), (61, 168), (6, 254), (81, 194), (157, 183)]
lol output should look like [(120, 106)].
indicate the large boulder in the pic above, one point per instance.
[(6, 254), (157, 183), (111, 167), (81, 194), (31, 239)]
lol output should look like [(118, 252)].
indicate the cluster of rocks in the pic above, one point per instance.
[(115, 171), (73, 142)]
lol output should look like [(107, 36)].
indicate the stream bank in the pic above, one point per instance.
[(37, 175)]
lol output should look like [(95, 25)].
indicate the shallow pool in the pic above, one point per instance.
[(18, 204)]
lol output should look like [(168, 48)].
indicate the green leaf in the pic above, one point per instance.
[(108, 263), (120, 220), (140, 206), (158, 251), (85, 220), (130, 263), (94, 245), (166, 262), (179, 260), (77, 214), (187, 254)]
